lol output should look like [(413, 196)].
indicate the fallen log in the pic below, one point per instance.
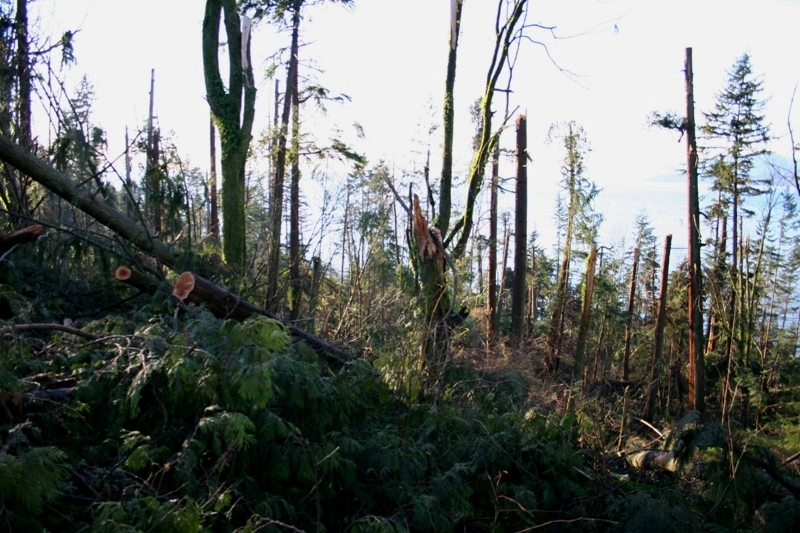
[(224, 304), (136, 279), (22, 236), (654, 459), (84, 200)]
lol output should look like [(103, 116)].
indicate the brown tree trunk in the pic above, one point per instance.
[(586, 315), (659, 337), (520, 231), (295, 283), (84, 200), (626, 356), (24, 134), (276, 198), (695, 295), (190, 287)]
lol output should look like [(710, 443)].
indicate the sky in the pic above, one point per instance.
[(607, 65)]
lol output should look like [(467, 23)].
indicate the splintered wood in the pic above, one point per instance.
[(429, 240)]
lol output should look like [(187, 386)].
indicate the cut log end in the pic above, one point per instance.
[(184, 286), (123, 273)]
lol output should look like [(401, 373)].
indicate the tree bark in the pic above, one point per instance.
[(295, 283), (213, 222), (695, 294), (276, 198), (626, 356), (493, 314), (233, 111), (659, 337), (84, 200), (225, 304), (520, 231), (583, 331), (446, 183), (21, 236)]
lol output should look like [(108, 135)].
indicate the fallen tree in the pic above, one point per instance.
[(219, 300), (25, 235), (83, 199), (224, 304)]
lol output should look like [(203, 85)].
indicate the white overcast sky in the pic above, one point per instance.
[(389, 56)]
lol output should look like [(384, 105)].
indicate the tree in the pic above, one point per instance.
[(737, 125), (233, 111), (578, 219), (287, 13), (445, 200), (520, 230)]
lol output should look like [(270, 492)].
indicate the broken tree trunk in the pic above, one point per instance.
[(134, 278), (436, 300), (586, 315), (22, 236), (649, 402), (626, 357), (224, 304), (61, 185)]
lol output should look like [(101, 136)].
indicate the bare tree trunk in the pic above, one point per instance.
[(295, 283), (502, 292), (583, 332), (493, 314), (626, 356), (520, 231), (213, 222), (659, 338), (695, 294), (24, 135), (276, 204), (532, 292)]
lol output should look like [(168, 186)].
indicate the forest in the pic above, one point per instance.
[(213, 348)]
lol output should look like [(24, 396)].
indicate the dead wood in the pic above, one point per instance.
[(224, 304), (134, 278), (654, 460), (55, 327), (84, 200), (22, 236)]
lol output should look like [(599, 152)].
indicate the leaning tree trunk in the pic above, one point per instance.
[(233, 111), (84, 200)]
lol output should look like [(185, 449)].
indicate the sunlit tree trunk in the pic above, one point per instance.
[(233, 109), (652, 387), (520, 231), (695, 293)]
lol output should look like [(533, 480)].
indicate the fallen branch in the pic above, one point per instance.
[(224, 304), (55, 327), (9, 241)]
